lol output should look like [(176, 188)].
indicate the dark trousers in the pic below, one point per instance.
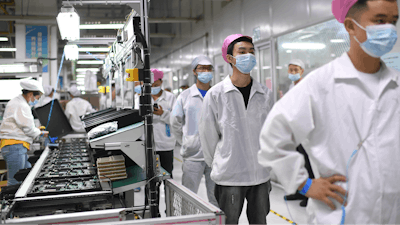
[(231, 199), (307, 160), (167, 162)]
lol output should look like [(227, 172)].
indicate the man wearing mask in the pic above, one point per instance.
[(184, 125), (232, 116), (163, 102), (296, 71), (346, 114), (17, 131), (76, 108)]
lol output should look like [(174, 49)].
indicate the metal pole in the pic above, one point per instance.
[(147, 109)]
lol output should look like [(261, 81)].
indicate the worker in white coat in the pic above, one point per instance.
[(76, 108), (48, 96), (184, 125), (232, 116), (17, 131), (346, 114), (296, 71)]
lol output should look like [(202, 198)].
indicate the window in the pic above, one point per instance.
[(315, 46)]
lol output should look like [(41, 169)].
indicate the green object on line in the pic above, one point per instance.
[(135, 174)]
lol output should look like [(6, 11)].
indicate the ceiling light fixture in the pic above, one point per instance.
[(8, 49), (94, 49), (90, 62), (100, 26), (304, 46), (68, 22), (3, 38), (71, 52)]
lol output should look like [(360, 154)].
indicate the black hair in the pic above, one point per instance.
[(35, 93), (232, 45), (359, 8)]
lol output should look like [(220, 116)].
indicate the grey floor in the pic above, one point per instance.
[(276, 198)]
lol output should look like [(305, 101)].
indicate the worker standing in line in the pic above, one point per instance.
[(163, 138), (184, 85), (232, 116), (346, 115), (184, 125), (296, 72), (48, 96), (76, 108), (17, 131)]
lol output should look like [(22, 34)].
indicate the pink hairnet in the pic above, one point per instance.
[(340, 8), (158, 75), (228, 41)]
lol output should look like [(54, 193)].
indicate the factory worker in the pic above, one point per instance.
[(48, 96), (184, 85), (17, 131), (76, 108), (232, 116), (351, 103), (163, 138), (138, 91), (184, 125), (296, 71), (168, 89)]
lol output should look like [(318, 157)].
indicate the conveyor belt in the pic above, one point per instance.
[(125, 117)]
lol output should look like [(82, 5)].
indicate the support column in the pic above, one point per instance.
[(53, 54), (20, 42)]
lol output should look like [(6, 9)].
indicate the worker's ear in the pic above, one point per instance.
[(350, 26), (231, 59), (194, 72)]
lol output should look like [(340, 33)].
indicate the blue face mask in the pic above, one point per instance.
[(245, 63), (33, 103), (380, 39), (294, 77), (205, 77), (155, 90), (138, 89)]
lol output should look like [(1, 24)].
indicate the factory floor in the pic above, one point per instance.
[(278, 205)]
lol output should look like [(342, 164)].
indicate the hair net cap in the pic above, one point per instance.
[(74, 91), (297, 62), (340, 8), (228, 40), (47, 90), (201, 60), (158, 75), (31, 85)]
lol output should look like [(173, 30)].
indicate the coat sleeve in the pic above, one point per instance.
[(208, 128), (177, 117), (165, 117), (24, 120), (287, 125)]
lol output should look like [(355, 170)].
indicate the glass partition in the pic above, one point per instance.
[(315, 46)]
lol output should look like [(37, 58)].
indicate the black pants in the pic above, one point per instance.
[(231, 199), (307, 160)]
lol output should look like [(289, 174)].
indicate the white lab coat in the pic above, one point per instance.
[(229, 133), (162, 141), (184, 123), (330, 112), (18, 121), (76, 108)]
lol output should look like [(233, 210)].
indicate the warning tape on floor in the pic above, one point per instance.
[(178, 159), (283, 217)]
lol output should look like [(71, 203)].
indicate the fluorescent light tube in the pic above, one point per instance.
[(8, 49), (3, 38), (94, 49), (90, 62), (100, 26), (90, 69), (304, 46)]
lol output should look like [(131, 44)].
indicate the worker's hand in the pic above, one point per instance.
[(45, 133), (323, 188), (158, 111)]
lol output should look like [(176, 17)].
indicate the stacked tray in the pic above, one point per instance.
[(111, 168)]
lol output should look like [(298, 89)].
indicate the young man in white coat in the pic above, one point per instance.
[(48, 96), (17, 131), (232, 116), (347, 116), (76, 108), (185, 119)]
